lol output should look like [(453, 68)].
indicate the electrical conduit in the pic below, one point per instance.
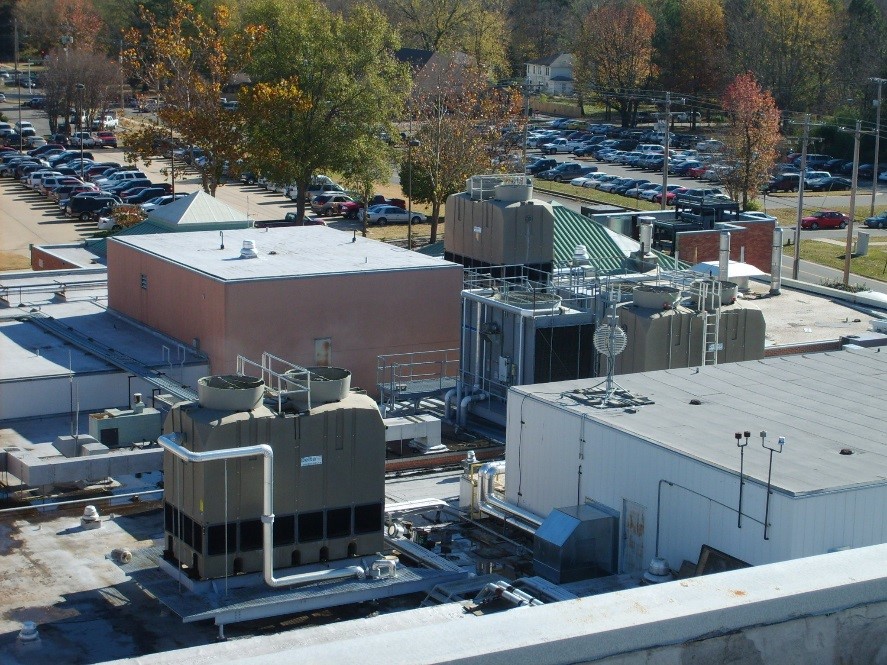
[(172, 444)]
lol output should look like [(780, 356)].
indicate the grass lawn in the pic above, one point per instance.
[(582, 192), (10, 261), (871, 266)]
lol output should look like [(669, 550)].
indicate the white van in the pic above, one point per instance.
[(651, 148)]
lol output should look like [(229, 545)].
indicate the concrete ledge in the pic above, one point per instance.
[(824, 609)]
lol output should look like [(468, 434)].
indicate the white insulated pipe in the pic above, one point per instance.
[(502, 509), (776, 262), (724, 256), (172, 443)]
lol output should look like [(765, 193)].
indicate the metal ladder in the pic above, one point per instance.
[(711, 323), (114, 357)]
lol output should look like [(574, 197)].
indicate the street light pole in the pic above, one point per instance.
[(80, 88)]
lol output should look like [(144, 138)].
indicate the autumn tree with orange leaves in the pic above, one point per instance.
[(188, 60), (752, 140), (614, 54), (46, 21)]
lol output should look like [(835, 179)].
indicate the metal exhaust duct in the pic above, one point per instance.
[(724, 257), (776, 262)]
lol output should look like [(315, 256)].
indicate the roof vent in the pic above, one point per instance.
[(580, 256), (248, 251)]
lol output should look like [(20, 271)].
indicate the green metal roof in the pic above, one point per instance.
[(100, 247), (572, 229), (435, 249)]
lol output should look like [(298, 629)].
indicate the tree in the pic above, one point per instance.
[(46, 21), (752, 140), (343, 82), (692, 53), (862, 54), (615, 50), (459, 120), (800, 48), (64, 71), (368, 163), (476, 27), (190, 59)]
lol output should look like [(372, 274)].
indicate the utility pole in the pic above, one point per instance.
[(19, 84), (880, 82), (796, 265), (664, 203), (848, 246)]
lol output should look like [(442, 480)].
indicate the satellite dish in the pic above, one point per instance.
[(610, 340)]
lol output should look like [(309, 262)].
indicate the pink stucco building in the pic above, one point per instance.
[(311, 295)]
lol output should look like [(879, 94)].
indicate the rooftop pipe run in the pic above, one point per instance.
[(172, 443), (476, 395), (502, 509)]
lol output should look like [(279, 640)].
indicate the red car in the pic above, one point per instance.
[(669, 197), (350, 209), (107, 139), (825, 219), (697, 171)]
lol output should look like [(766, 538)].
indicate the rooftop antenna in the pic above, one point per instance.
[(741, 446), (610, 340), (780, 442), (222, 236)]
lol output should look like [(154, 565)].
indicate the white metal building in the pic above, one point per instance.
[(671, 469)]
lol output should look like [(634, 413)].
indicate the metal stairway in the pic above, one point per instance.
[(114, 357)]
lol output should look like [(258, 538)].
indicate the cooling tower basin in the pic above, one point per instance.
[(539, 301), (328, 384), (655, 297), (230, 392), (728, 292)]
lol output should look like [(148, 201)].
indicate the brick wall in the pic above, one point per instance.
[(756, 238), (42, 260)]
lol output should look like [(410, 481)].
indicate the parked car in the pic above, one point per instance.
[(82, 205), (159, 201), (106, 139), (383, 214), (829, 184), (564, 172), (879, 221), (825, 219), (541, 165), (329, 204), (784, 182)]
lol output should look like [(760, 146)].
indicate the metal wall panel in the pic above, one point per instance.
[(692, 503)]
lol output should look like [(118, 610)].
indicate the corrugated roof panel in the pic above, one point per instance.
[(572, 229)]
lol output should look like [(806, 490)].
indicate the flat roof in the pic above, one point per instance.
[(287, 252), (28, 351), (821, 403)]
